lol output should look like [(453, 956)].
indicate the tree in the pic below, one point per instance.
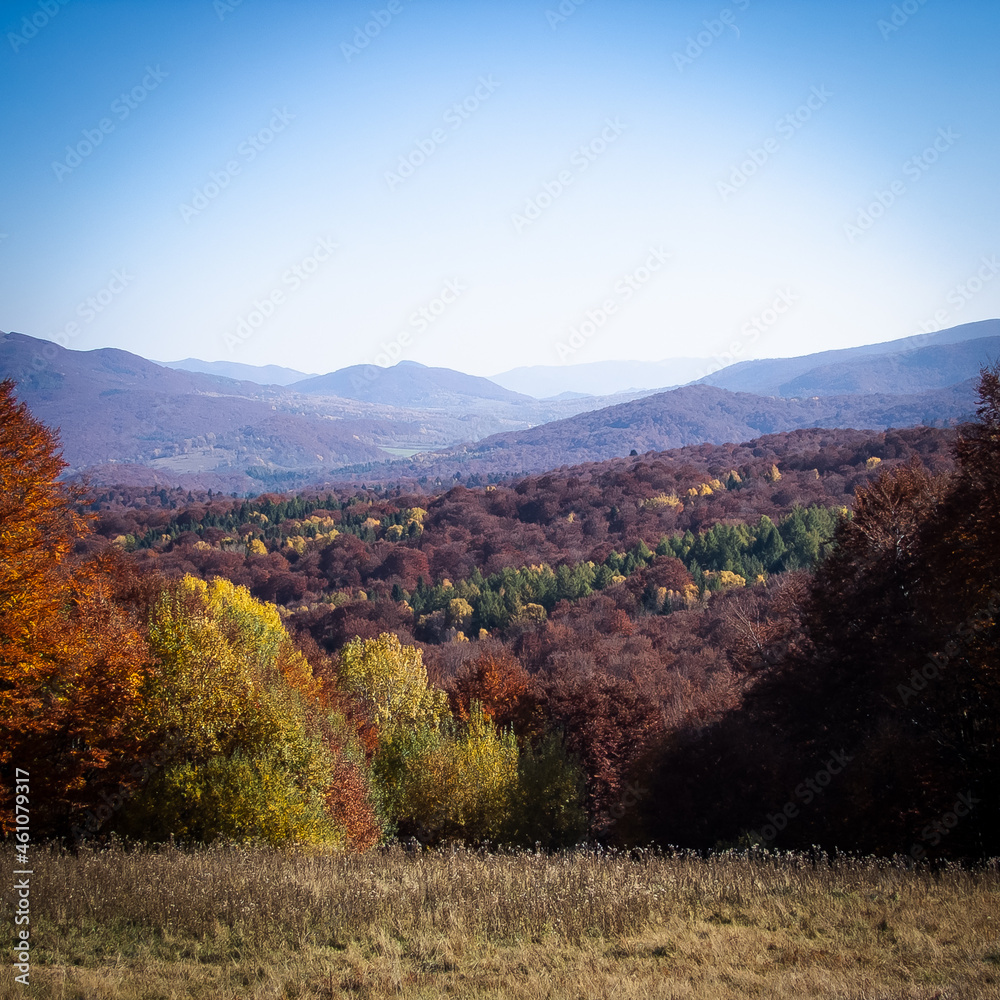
[(250, 754), (546, 804), (503, 689), (895, 679), (389, 682), (38, 527), (464, 783), (71, 656)]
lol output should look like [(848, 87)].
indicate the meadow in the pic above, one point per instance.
[(253, 922)]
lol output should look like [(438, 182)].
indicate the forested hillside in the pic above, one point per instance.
[(548, 660), (690, 415)]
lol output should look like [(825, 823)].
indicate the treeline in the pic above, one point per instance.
[(305, 548)]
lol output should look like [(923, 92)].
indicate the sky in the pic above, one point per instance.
[(485, 185)]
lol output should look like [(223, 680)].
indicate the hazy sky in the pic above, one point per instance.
[(294, 182)]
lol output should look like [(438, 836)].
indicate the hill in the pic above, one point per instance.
[(409, 384), (601, 377), (261, 374), (691, 415), (113, 407), (128, 421), (911, 365)]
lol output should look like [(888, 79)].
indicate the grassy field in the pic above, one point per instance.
[(251, 923)]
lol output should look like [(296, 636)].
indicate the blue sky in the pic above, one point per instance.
[(482, 185)]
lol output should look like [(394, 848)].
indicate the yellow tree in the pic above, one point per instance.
[(464, 786), (251, 752), (389, 681)]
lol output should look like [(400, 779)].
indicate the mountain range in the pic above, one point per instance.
[(126, 420), (262, 374), (911, 365), (601, 377), (690, 415), (409, 384)]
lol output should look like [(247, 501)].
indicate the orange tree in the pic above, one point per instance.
[(71, 653)]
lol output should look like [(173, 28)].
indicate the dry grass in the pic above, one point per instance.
[(251, 923)]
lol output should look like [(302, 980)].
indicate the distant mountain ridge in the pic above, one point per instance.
[(910, 365), (690, 415), (261, 374), (407, 384), (124, 418), (115, 407), (599, 378)]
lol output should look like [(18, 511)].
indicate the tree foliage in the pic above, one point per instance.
[(251, 756), (72, 649)]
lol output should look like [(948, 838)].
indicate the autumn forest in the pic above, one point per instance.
[(790, 643)]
